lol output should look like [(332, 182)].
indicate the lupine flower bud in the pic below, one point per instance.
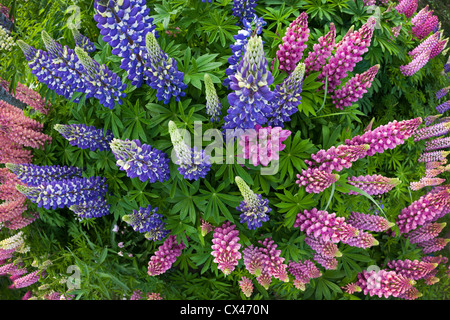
[(290, 51), (192, 163), (205, 227), (321, 51), (262, 145), (264, 279), (433, 245), (246, 286), (162, 73), (373, 184), (411, 294), (141, 160), (287, 97), (165, 256), (355, 88), (34, 175), (226, 247), (254, 208), (368, 222), (250, 101), (146, 220), (213, 104), (426, 232)]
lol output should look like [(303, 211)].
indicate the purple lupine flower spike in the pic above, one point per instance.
[(254, 208), (192, 163), (148, 221), (85, 137), (94, 208), (273, 262), (442, 92), (253, 260), (435, 130), (226, 247), (162, 73), (303, 273), (321, 51), (124, 25), (141, 160), (287, 97), (34, 175), (165, 256), (290, 51), (369, 222), (250, 101), (443, 107), (416, 64), (426, 232), (244, 9), (433, 245), (373, 184)]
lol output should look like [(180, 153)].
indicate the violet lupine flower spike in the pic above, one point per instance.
[(272, 262), (192, 163), (225, 248), (82, 41), (85, 137), (355, 88), (94, 208), (148, 221), (443, 107), (439, 143), (101, 83), (441, 93), (213, 104), (290, 51), (387, 136), (244, 9), (141, 160), (34, 175), (253, 260), (165, 256), (427, 232), (373, 184), (162, 73), (65, 192), (124, 25), (435, 130), (433, 245), (321, 51), (303, 272), (433, 156), (254, 208), (369, 222), (250, 101), (287, 97)]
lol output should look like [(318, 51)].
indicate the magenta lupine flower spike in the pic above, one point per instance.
[(435, 130), (404, 6), (433, 245), (351, 288), (438, 48), (439, 143), (321, 51), (362, 240), (396, 30), (420, 16), (427, 44), (316, 180), (426, 182), (165, 256), (373, 184), (433, 156), (337, 158), (273, 262), (303, 273), (327, 263), (326, 249), (253, 260), (262, 145), (422, 30), (443, 107), (426, 232), (254, 208), (28, 279), (355, 88), (383, 283), (319, 224), (411, 294), (412, 269), (416, 64), (348, 53), (426, 209), (369, 222), (205, 227), (226, 247), (386, 136), (246, 286), (265, 279), (441, 93), (290, 51)]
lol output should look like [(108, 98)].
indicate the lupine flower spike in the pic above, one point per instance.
[(226, 247), (192, 163), (165, 256), (85, 137), (148, 221), (246, 286), (254, 208), (213, 104)]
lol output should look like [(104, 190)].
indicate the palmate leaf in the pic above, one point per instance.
[(292, 204), (217, 202), (134, 120), (219, 26)]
